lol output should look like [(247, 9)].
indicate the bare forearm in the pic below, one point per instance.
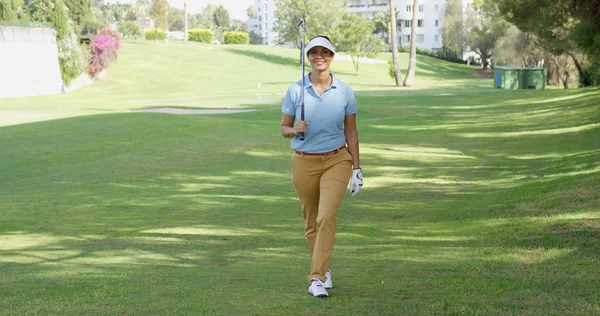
[(288, 131), (352, 141)]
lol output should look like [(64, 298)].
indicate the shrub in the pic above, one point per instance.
[(91, 27), (235, 38), (155, 34), (201, 35), (104, 49), (7, 12), (129, 29), (255, 38), (591, 75), (72, 58)]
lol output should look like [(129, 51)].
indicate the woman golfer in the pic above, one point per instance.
[(326, 159)]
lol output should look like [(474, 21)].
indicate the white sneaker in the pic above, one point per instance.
[(316, 288), (328, 284)]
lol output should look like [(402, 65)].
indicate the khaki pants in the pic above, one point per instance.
[(320, 183)]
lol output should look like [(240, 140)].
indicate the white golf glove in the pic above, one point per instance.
[(356, 181)]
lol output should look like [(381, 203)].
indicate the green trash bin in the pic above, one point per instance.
[(506, 77), (512, 78), (533, 78)]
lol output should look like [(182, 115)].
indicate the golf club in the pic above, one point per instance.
[(303, 23)]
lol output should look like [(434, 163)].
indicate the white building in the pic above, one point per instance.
[(430, 19), (263, 23)]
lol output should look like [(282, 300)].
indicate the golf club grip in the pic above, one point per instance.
[(301, 136)]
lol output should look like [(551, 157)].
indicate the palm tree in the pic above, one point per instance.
[(410, 75), (397, 72), (381, 19), (252, 12), (185, 22)]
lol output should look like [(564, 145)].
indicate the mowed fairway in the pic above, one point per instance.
[(476, 201)]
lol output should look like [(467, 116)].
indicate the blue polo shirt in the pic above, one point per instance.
[(324, 113)]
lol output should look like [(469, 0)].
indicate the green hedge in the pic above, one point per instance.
[(152, 33), (201, 35), (236, 38)]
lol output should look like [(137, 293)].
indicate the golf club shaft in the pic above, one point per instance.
[(303, 23)]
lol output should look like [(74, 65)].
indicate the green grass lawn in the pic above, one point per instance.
[(476, 201)]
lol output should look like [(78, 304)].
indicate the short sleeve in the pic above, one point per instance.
[(351, 107), (289, 105)]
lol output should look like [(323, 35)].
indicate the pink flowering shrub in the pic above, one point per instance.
[(104, 49)]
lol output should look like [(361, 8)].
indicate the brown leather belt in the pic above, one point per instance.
[(320, 154)]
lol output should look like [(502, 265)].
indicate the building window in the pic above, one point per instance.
[(437, 37), (420, 8), (421, 38), (407, 23), (409, 8), (406, 39), (420, 23), (437, 23)]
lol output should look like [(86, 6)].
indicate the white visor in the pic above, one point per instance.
[(319, 41)]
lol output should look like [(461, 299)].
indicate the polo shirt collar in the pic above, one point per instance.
[(334, 81)]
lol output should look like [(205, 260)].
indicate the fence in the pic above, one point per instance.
[(28, 62), (16, 34)]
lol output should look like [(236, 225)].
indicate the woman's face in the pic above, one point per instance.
[(320, 58)]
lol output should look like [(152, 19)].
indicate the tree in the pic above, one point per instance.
[(396, 68), (454, 35), (353, 35), (320, 16), (176, 19), (158, 12), (238, 26), (129, 29), (381, 20), (221, 17), (485, 26), (252, 12), (7, 12), (79, 10), (206, 19), (412, 60), (518, 49), (254, 38), (141, 9), (185, 22), (562, 26)]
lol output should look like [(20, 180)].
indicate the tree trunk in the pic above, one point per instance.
[(410, 75), (566, 79), (185, 22), (166, 25), (577, 65), (397, 72)]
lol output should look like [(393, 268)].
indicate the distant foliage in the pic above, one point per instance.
[(255, 38), (591, 75), (201, 35), (236, 38), (129, 29), (104, 49), (155, 34), (7, 12), (72, 58), (440, 54), (79, 10), (91, 27)]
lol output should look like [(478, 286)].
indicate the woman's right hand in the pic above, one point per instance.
[(300, 127)]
